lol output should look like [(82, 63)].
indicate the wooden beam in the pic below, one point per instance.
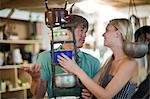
[(39, 6), (34, 5)]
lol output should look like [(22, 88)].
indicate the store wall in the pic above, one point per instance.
[(111, 13)]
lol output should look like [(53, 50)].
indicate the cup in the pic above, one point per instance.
[(68, 53)]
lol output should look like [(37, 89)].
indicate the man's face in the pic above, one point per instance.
[(80, 34), (145, 37)]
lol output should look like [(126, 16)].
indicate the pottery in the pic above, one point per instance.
[(135, 49)]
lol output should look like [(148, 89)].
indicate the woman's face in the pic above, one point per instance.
[(110, 36)]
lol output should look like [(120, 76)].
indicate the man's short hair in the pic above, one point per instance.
[(142, 30), (77, 20)]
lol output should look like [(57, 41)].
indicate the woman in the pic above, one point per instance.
[(118, 77)]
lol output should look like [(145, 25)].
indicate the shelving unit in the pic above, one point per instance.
[(19, 80), (12, 74), (62, 38)]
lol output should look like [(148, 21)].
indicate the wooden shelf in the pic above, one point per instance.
[(14, 66), (19, 41), (16, 89)]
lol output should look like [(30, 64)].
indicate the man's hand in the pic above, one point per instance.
[(34, 71), (38, 87), (85, 94)]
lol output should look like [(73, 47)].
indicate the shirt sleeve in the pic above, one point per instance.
[(44, 60), (96, 66)]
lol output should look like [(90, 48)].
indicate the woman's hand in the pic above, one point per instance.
[(68, 64), (85, 94), (34, 71)]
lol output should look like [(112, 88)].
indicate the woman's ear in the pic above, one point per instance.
[(118, 33)]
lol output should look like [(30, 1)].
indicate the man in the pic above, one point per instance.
[(143, 35), (41, 72)]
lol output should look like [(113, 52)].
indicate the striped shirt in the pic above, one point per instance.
[(126, 92)]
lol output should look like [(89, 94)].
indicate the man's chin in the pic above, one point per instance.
[(79, 46)]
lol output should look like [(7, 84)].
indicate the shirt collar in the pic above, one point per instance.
[(79, 53)]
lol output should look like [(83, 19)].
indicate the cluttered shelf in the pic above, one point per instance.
[(14, 82), (19, 44)]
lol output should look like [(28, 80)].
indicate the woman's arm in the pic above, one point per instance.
[(123, 75)]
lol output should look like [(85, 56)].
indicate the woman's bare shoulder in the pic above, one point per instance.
[(130, 62), (131, 66)]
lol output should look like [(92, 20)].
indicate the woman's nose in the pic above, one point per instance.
[(103, 34)]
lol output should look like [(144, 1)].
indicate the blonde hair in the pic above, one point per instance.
[(125, 27), (105, 69)]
